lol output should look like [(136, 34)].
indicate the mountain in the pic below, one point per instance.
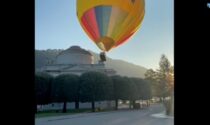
[(123, 68), (42, 56)]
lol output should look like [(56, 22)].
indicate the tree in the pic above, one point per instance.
[(143, 89), (95, 86), (117, 89), (170, 79), (151, 77), (146, 90), (161, 80), (163, 75), (66, 89), (138, 85), (124, 89), (43, 83), (164, 65), (132, 92)]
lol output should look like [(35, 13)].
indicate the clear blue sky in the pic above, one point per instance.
[(57, 27)]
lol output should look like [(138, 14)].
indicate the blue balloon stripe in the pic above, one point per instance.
[(103, 14)]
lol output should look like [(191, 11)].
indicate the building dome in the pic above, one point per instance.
[(75, 55)]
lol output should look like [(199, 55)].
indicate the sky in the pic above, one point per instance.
[(57, 27)]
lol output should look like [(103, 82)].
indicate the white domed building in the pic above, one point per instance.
[(75, 60), (74, 55)]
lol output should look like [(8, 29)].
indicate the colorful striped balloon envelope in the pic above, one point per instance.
[(110, 23)]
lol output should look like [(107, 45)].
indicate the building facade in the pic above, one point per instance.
[(75, 60)]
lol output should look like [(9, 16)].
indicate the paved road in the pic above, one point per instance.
[(122, 117)]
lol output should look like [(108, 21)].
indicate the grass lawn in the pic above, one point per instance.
[(50, 113), (54, 113)]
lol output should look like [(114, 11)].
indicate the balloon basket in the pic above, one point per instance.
[(102, 57)]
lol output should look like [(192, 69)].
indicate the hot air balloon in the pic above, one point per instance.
[(110, 23)]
